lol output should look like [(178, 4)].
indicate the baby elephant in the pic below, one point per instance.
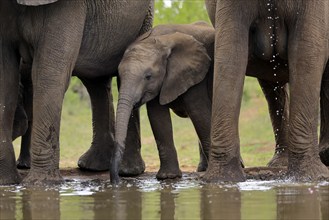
[(168, 67)]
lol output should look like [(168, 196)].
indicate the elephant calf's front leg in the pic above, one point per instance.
[(160, 120)]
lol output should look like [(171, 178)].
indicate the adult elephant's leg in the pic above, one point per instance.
[(53, 63), (277, 99), (20, 119), (132, 163), (231, 54), (306, 64), (9, 82), (160, 120), (324, 105), (24, 159), (97, 158)]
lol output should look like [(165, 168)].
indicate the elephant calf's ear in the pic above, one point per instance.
[(35, 2), (187, 65)]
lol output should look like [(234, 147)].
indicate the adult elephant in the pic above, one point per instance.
[(58, 38), (96, 158), (278, 32)]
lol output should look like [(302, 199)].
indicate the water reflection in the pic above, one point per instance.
[(119, 203), (150, 199), (39, 203), (167, 203), (302, 202), (220, 203), (7, 204)]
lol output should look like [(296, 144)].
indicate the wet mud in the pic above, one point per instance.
[(252, 173)]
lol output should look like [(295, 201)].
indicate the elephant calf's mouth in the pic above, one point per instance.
[(137, 105)]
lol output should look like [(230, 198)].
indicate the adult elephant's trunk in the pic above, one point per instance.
[(124, 109)]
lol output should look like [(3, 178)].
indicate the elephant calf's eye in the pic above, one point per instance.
[(148, 76)]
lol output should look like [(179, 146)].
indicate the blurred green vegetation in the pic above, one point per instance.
[(179, 12), (256, 136)]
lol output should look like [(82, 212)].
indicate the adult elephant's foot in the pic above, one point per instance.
[(97, 158), (131, 164), (41, 177), (23, 163), (279, 159), (324, 155), (8, 171), (230, 172), (305, 168), (8, 177)]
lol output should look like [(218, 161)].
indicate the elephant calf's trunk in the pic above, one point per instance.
[(124, 110)]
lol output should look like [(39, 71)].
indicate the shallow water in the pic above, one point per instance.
[(181, 199)]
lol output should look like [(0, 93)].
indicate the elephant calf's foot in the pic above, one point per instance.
[(131, 165), (304, 169), (40, 178), (23, 163), (279, 159), (231, 172), (169, 173), (203, 165), (95, 159), (324, 155)]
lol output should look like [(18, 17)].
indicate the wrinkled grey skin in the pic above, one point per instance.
[(95, 158), (302, 26), (167, 68), (86, 38)]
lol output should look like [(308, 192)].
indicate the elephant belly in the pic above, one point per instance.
[(110, 28), (265, 70), (268, 49), (101, 56)]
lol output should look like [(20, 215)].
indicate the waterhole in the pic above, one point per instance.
[(148, 198)]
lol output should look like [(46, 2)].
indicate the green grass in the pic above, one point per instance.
[(256, 136)]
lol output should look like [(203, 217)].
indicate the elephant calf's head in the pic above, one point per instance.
[(166, 65)]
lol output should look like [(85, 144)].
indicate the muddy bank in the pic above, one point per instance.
[(256, 173)]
